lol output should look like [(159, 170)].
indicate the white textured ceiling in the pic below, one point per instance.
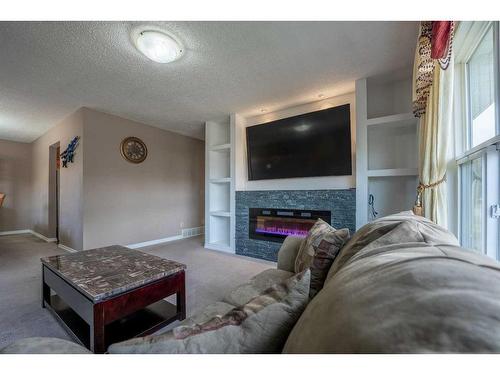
[(50, 69)]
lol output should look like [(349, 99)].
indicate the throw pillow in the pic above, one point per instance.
[(318, 252), (260, 326), (326, 249)]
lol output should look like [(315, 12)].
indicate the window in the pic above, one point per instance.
[(481, 78), (472, 203), (478, 155)]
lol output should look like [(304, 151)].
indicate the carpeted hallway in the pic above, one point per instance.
[(210, 275)]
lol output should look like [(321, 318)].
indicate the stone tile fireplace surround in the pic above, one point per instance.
[(341, 204)]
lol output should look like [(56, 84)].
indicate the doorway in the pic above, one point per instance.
[(54, 187)]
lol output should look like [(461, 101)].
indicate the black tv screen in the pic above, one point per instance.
[(308, 145)]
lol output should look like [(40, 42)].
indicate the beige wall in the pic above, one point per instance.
[(104, 199), (15, 181), (71, 183), (126, 203)]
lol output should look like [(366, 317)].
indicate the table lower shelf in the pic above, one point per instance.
[(140, 323)]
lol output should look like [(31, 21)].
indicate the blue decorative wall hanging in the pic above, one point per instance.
[(68, 154)]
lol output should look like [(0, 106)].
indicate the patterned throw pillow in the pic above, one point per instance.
[(260, 326), (318, 251)]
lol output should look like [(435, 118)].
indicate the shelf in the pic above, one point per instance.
[(223, 147), (220, 164), (220, 180), (220, 194), (217, 133), (392, 146), (219, 232), (392, 194), (393, 172), (219, 141), (137, 324), (393, 120), (220, 213), (389, 94), (387, 145)]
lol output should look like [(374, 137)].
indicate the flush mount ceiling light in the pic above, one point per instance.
[(157, 46)]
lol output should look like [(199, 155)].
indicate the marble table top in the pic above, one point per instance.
[(108, 271)]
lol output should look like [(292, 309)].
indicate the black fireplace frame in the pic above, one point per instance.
[(281, 212)]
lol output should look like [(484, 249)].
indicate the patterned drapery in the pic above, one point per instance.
[(432, 103), (435, 42)]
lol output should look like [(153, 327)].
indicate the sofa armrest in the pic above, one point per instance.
[(288, 253), (44, 345)]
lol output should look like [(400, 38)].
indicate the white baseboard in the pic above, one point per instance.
[(154, 242), (67, 248), (41, 236), (223, 248), (11, 232), (26, 231), (186, 233)]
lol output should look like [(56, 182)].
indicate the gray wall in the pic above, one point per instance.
[(341, 203), (127, 203), (71, 183), (15, 181)]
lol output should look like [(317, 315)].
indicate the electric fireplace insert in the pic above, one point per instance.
[(271, 224)]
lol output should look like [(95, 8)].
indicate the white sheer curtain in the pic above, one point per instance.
[(433, 143)]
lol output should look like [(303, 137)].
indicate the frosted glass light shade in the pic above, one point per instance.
[(158, 46)]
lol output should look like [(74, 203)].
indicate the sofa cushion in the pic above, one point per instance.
[(44, 345), (214, 309), (410, 229), (260, 326), (288, 253), (416, 296), (258, 284)]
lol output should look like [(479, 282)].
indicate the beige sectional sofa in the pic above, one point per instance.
[(400, 285)]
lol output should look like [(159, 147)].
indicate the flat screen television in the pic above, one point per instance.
[(309, 145)]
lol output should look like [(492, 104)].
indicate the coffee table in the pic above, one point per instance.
[(111, 294)]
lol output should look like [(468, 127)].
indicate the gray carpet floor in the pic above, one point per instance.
[(210, 276)]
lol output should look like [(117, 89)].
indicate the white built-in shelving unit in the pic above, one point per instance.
[(386, 145), (219, 184)]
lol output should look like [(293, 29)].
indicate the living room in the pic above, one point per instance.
[(301, 186)]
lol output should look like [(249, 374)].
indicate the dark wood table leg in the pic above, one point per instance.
[(45, 291), (97, 339), (181, 297)]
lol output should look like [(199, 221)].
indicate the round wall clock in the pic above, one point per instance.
[(134, 150)]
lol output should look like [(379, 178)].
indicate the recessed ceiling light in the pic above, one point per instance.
[(157, 46), (321, 95), (263, 110)]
